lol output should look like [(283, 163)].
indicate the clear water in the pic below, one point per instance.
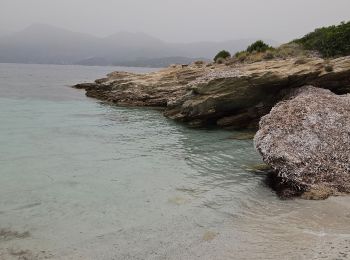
[(80, 179)]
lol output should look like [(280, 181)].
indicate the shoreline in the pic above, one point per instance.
[(233, 97)]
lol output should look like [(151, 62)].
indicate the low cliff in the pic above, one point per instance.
[(232, 96)]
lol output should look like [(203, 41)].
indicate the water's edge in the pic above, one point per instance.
[(81, 179)]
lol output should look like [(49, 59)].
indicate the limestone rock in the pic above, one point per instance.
[(155, 89), (236, 97), (306, 140), (231, 96)]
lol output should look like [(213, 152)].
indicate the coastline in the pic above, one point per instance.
[(230, 96)]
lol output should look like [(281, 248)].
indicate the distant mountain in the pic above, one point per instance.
[(44, 44), (140, 62)]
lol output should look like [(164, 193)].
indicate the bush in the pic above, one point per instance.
[(285, 51), (258, 46), (222, 54), (241, 55), (328, 41), (290, 50)]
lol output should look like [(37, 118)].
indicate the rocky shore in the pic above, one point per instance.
[(231, 96), (304, 138)]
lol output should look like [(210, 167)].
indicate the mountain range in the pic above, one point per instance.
[(45, 44)]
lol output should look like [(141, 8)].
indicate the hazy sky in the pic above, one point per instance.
[(179, 20)]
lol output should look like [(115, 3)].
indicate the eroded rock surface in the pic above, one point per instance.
[(155, 89), (233, 96), (306, 140)]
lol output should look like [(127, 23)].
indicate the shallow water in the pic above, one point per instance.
[(80, 179)]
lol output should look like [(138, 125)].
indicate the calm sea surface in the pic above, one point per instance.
[(80, 179)]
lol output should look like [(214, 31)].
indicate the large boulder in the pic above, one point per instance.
[(306, 141)]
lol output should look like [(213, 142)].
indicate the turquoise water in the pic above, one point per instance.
[(80, 179)]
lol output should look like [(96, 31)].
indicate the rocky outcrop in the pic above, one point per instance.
[(306, 141), (155, 89), (231, 96), (305, 138)]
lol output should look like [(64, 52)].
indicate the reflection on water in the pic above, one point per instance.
[(85, 180)]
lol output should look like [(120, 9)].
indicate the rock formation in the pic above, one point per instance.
[(231, 96), (306, 140), (155, 89)]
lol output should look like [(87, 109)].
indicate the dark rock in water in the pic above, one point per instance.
[(259, 168), (306, 140), (85, 86), (243, 135)]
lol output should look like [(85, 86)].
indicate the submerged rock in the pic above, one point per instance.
[(243, 135), (259, 168), (306, 140), (230, 96)]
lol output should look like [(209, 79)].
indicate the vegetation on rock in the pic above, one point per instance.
[(289, 50), (258, 46), (222, 55), (255, 52), (329, 41), (332, 41)]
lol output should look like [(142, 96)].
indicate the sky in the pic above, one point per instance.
[(179, 20)]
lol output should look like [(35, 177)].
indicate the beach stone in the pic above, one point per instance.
[(306, 141)]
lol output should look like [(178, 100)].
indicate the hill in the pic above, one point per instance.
[(44, 44)]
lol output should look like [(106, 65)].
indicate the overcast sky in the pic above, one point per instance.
[(179, 20)]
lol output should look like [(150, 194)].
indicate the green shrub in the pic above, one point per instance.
[(290, 50), (328, 41), (238, 53), (258, 46), (241, 55), (222, 54), (285, 51)]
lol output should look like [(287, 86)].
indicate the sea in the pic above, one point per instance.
[(83, 179)]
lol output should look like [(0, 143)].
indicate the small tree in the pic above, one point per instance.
[(222, 54), (258, 46)]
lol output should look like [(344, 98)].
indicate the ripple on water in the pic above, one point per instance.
[(88, 180)]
